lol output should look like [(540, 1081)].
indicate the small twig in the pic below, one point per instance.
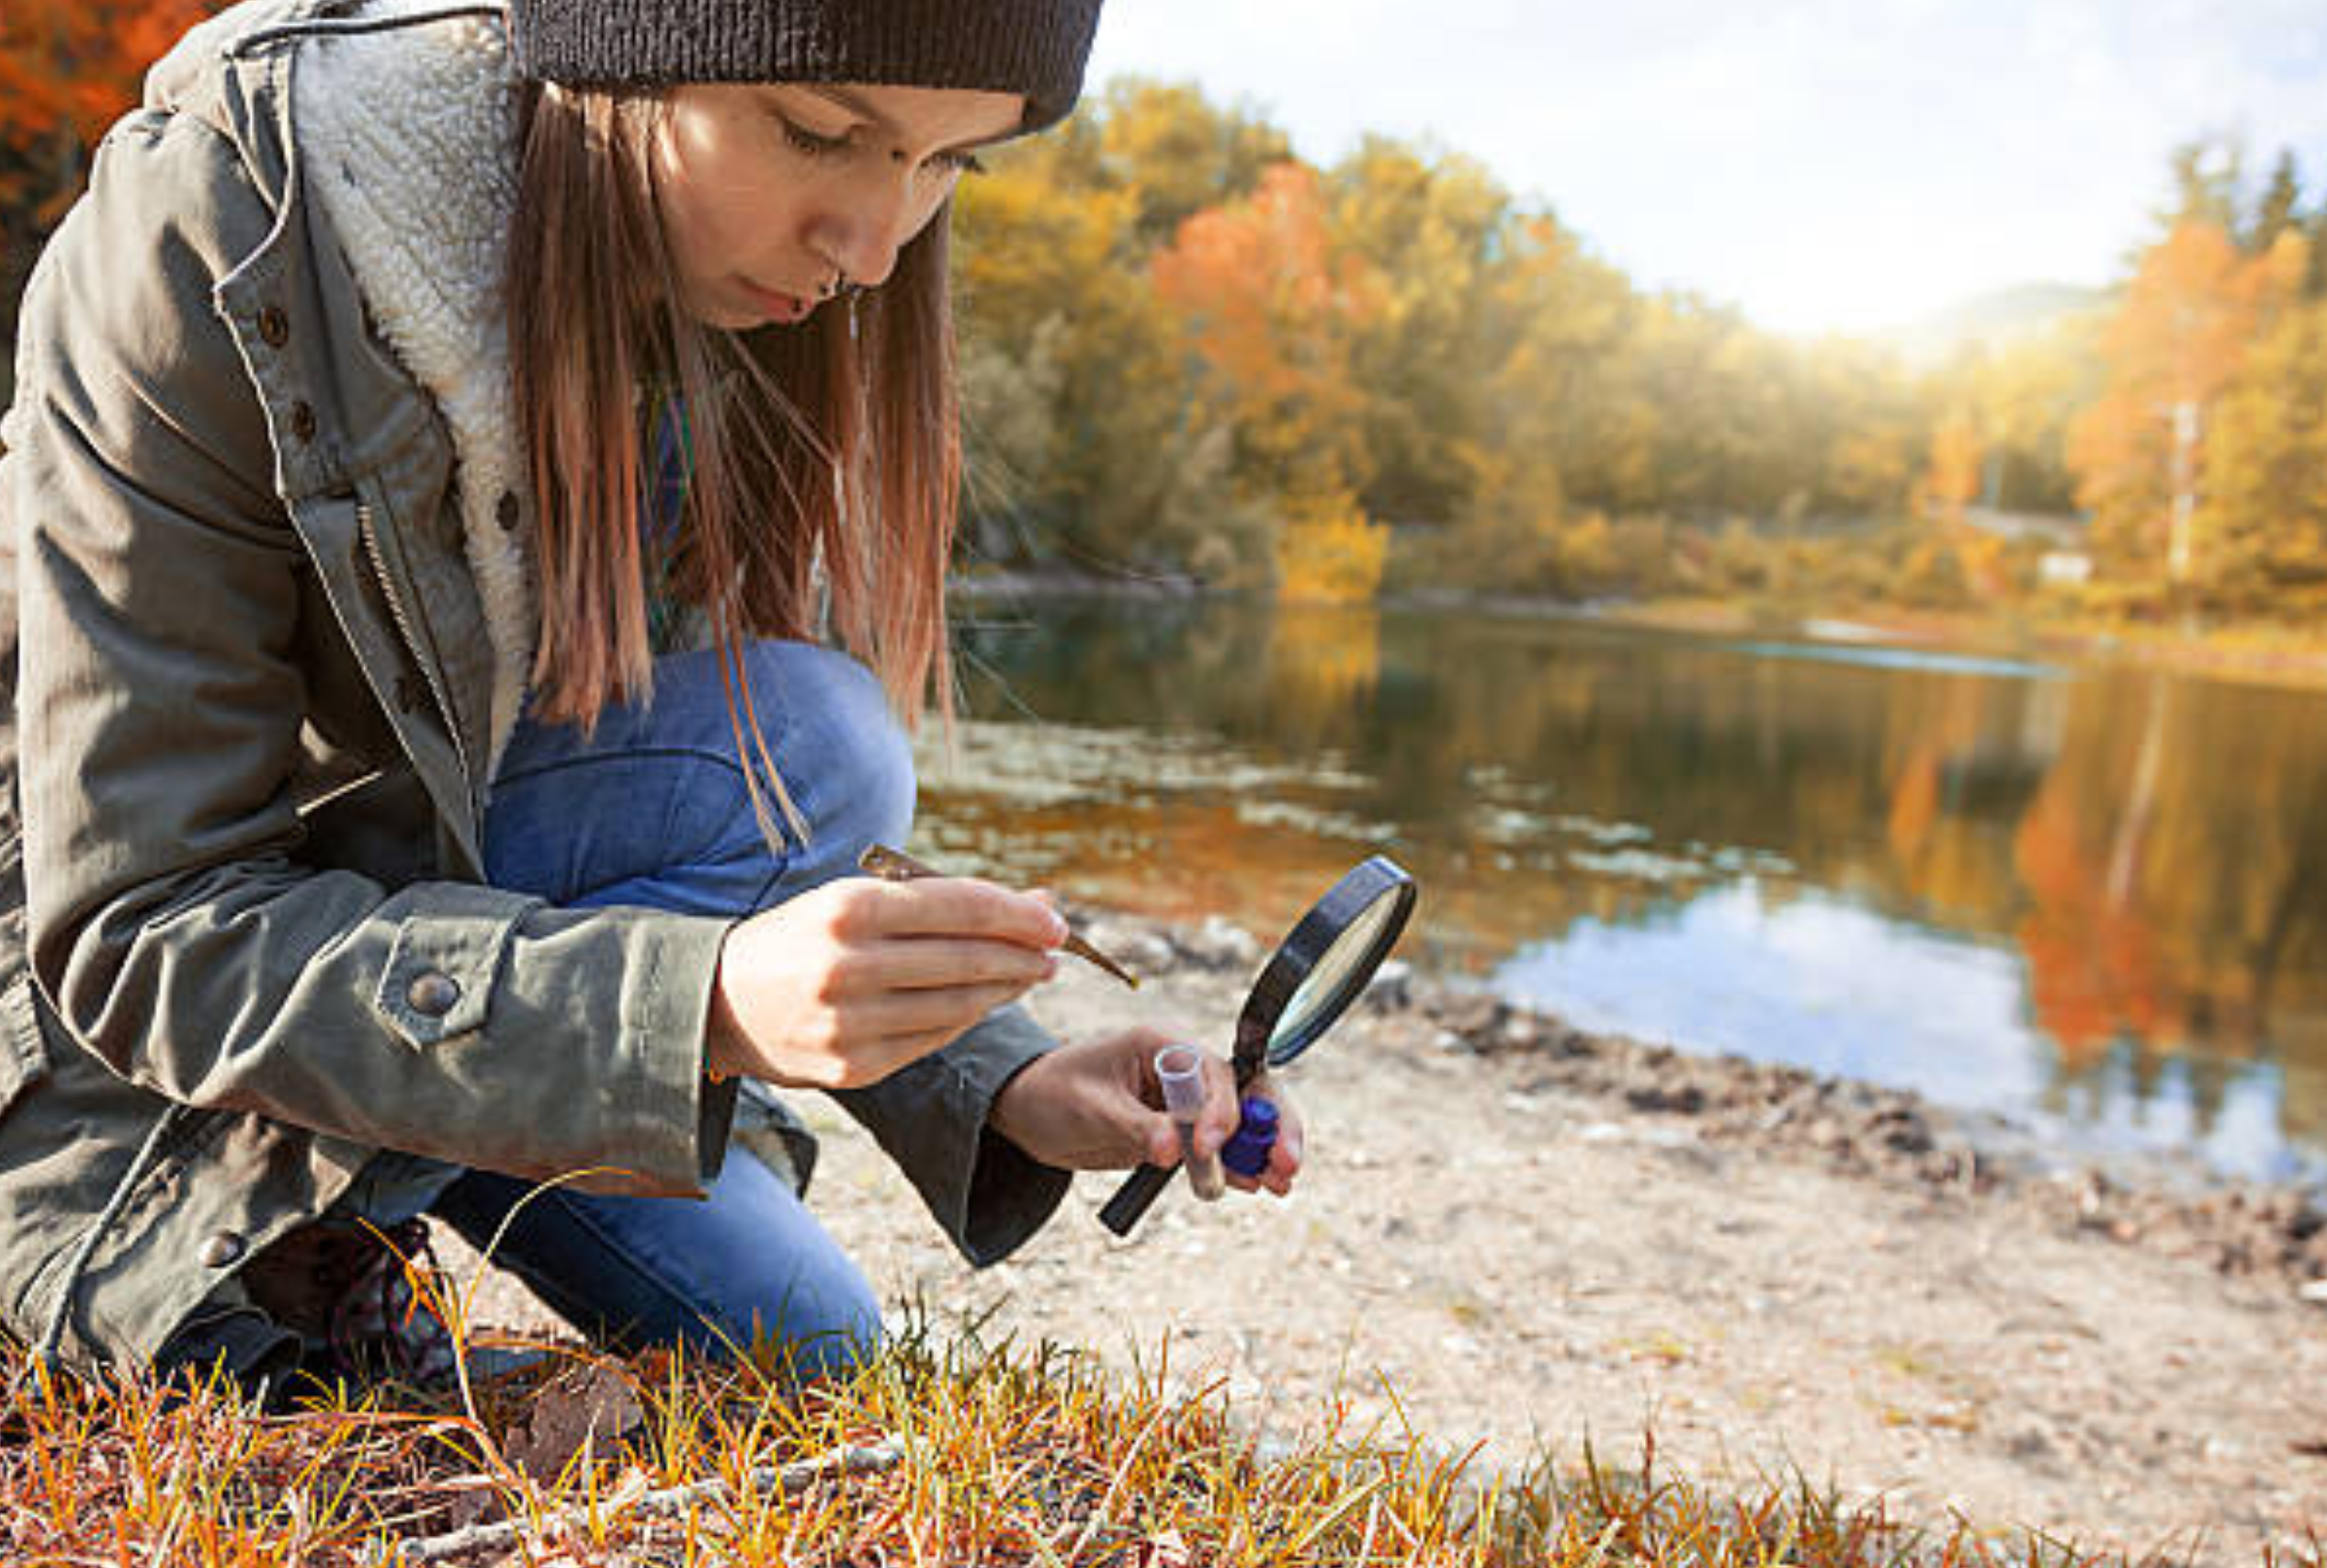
[(896, 866), (791, 1480)]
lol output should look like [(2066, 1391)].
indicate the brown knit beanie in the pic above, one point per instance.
[(1034, 47)]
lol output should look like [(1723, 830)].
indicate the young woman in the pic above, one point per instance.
[(478, 488)]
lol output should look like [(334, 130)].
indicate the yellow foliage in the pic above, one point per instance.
[(1329, 551), (1951, 482), (1324, 663), (2194, 307)]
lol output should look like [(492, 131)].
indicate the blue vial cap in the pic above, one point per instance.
[(1246, 1154)]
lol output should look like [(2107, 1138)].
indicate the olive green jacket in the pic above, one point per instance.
[(266, 605)]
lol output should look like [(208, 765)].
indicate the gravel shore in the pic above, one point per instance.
[(1516, 1235)]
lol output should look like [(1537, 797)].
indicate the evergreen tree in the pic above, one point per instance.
[(2277, 210)]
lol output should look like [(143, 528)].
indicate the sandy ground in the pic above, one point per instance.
[(1532, 1240)]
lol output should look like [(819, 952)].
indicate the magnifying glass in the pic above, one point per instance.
[(1307, 984)]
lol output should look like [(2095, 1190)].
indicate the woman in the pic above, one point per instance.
[(445, 442)]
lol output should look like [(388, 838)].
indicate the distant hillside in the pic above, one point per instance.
[(1998, 316)]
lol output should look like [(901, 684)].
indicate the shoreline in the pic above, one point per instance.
[(2169, 1200), (1517, 1240), (2257, 654)]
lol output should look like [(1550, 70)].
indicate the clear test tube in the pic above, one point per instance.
[(1180, 1069)]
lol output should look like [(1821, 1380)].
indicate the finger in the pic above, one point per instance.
[(1292, 1135), (910, 963), (954, 906), (1222, 1112), (1284, 1166), (1161, 1134)]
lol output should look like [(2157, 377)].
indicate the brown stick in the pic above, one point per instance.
[(896, 866), (792, 1480)]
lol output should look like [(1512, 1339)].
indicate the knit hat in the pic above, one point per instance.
[(1034, 47)]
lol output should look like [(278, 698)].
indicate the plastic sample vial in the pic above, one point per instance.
[(1180, 1069), (1246, 1154)]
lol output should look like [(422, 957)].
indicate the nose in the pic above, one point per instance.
[(861, 230)]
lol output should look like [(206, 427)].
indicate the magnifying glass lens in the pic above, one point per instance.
[(1322, 967), (1324, 992)]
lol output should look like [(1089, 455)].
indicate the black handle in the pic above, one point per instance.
[(1139, 1191)]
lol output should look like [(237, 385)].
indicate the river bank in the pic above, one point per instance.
[(2264, 654), (1519, 1236)]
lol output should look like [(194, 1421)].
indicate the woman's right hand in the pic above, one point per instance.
[(844, 984)]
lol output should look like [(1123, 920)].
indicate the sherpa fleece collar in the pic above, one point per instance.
[(408, 141)]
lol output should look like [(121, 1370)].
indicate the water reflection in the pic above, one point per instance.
[(2090, 891)]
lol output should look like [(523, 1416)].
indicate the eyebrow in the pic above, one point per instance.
[(857, 104)]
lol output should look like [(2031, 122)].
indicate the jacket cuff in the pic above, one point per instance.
[(645, 978), (987, 1195), (677, 1093)]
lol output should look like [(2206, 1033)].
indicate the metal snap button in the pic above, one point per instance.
[(303, 423), (274, 326), (223, 1250), (433, 993)]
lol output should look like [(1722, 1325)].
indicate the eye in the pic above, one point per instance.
[(957, 164), (808, 143)]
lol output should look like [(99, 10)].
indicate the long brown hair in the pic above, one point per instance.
[(837, 440)]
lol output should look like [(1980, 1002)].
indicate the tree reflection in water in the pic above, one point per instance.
[(2144, 850)]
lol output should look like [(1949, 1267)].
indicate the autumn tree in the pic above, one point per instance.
[(1087, 438), (2176, 340), (2262, 528), (1176, 153), (1951, 476), (1273, 304), (1432, 230), (68, 69), (2276, 211)]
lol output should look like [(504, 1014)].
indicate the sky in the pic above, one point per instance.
[(1827, 165)]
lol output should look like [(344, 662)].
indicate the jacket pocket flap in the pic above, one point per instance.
[(439, 983)]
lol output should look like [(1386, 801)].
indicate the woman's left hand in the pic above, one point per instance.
[(1097, 1106)]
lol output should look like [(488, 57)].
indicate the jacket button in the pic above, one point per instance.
[(223, 1250), (407, 694), (505, 513), (274, 327), (432, 993), (303, 423)]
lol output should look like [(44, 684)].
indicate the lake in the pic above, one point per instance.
[(2087, 894)]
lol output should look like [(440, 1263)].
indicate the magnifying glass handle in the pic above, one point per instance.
[(1134, 1198)]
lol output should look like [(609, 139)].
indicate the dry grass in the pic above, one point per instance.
[(957, 1453)]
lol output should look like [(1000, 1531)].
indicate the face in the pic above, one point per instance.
[(773, 193)]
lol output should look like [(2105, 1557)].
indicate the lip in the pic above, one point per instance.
[(777, 305)]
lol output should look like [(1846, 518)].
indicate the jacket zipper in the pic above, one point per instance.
[(367, 525)]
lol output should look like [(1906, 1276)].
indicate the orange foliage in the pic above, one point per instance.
[(2191, 311), (2097, 964), (68, 69), (1951, 482), (1273, 306)]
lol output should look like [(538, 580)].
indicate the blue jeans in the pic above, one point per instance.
[(652, 810)]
